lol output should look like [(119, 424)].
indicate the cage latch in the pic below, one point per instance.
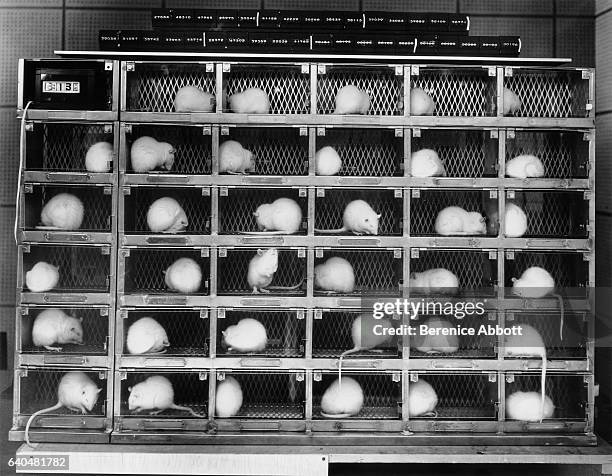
[(130, 66)]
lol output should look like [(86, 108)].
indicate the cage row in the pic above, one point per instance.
[(308, 88), (53, 270), (187, 338), (157, 153), (225, 400), (52, 212)]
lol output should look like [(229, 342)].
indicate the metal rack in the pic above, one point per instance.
[(308, 329)]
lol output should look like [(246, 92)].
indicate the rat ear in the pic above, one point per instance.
[(379, 215), (255, 214), (81, 318), (130, 389), (99, 390), (260, 252), (483, 219)]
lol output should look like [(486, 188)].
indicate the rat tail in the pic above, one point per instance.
[(331, 231), (562, 309), (57, 406), (543, 387), (187, 409), (342, 356)]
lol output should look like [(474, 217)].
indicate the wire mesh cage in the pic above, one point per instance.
[(68, 84), (475, 270), (377, 272), (384, 87), (97, 206), (465, 153), (569, 393), (269, 395), (192, 146), (94, 323), (287, 86), (187, 329), (194, 201), (365, 152), (238, 205), (80, 268), (458, 91), (145, 269), (427, 204), (423, 346), (550, 93), (461, 396), (569, 270), (62, 146), (382, 394), (190, 390), (152, 87), (329, 208), (276, 150), (553, 214), (233, 269), (38, 389), (549, 324), (564, 154), (285, 331), (331, 336)]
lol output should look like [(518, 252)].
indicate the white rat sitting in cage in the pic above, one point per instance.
[(193, 99), (352, 100)]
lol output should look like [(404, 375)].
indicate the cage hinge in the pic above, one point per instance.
[(303, 131), (398, 193), (204, 253), (220, 376), (22, 372), (587, 256), (492, 193), (320, 131), (492, 71), (108, 66), (226, 67), (317, 376), (223, 191), (494, 134), (206, 130), (224, 130), (321, 69), (399, 132), (221, 313), (301, 252), (587, 136), (126, 190), (586, 74), (414, 70), (508, 71), (510, 194), (396, 376), (302, 192), (28, 188), (397, 253), (203, 376), (510, 254), (300, 314), (416, 193), (127, 128), (203, 313), (102, 375), (492, 377), (29, 126), (319, 253), (492, 254), (25, 310), (318, 314), (206, 191), (123, 375), (320, 192), (222, 252), (108, 190), (399, 70), (588, 195), (124, 253), (414, 377), (25, 248), (108, 128), (509, 378), (299, 376), (414, 253), (510, 134), (416, 132), (123, 313)]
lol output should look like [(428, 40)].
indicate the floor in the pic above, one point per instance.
[(8, 449)]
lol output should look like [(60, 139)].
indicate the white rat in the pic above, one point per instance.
[(421, 103), (529, 344), (342, 400), (155, 395), (250, 101), (42, 277), (434, 281), (234, 159), (147, 154), (515, 221), (184, 276), (76, 392), (99, 157), (457, 221), (192, 99), (335, 275), (248, 335), (439, 343), (422, 399), (146, 336), (281, 217), (525, 406), (228, 398), (367, 333), (165, 215), (54, 326), (535, 283), (261, 271), (524, 166), (512, 103), (358, 218), (63, 212), (352, 100), (426, 163), (327, 161)]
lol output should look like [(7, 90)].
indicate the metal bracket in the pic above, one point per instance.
[(414, 253), (320, 131), (414, 70), (130, 66), (416, 132), (108, 66), (321, 69), (318, 314), (203, 313)]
